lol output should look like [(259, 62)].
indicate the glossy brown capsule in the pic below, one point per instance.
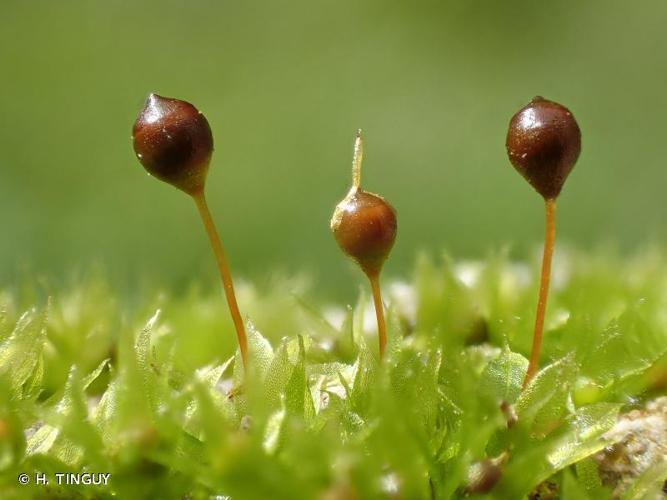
[(173, 142), (364, 226), (543, 144)]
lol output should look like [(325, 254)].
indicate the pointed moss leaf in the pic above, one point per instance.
[(67, 431), (105, 410), (345, 382), (278, 374), (91, 377), (327, 369), (582, 435), (327, 383), (503, 376), (579, 436), (125, 414), (75, 420), (542, 404), (365, 377), (260, 349), (298, 399), (628, 346), (414, 382), (210, 375), (331, 412), (33, 386), (72, 403), (273, 430), (145, 368), (208, 416), (260, 354), (21, 351), (318, 396), (143, 342), (42, 440)]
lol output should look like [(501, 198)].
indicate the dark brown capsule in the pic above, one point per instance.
[(364, 226), (173, 142), (543, 144)]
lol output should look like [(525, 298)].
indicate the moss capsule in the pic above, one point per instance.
[(173, 141), (543, 144), (364, 226)]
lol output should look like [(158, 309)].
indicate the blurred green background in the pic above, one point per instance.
[(284, 85)]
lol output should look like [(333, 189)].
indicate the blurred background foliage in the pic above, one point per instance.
[(284, 85)]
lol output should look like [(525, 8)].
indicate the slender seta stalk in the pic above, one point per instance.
[(223, 269), (364, 226), (379, 312), (545, 278)]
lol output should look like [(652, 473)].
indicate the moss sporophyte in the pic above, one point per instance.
[(364, 226), (543, 143), (173, 141)]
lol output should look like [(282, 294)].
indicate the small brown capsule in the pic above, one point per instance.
[(173, 142), (543, 144), (363, 223), (364, 226)]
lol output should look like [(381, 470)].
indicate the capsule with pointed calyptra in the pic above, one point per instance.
[(364, 226), (543, 143), (173, 141)]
